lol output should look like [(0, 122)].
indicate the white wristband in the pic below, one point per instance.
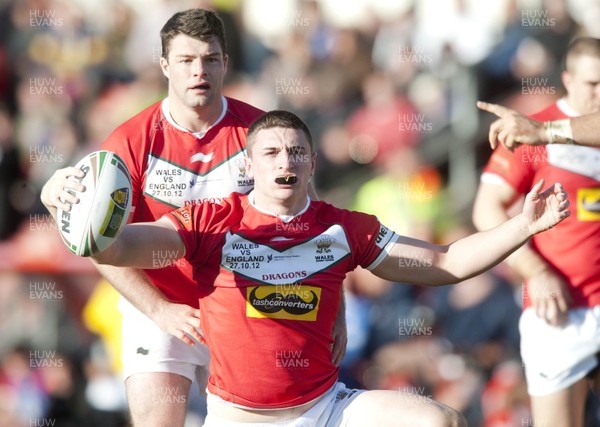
[(559, 131)]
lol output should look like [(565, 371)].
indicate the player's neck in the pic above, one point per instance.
[(573, 108), (198, 119)]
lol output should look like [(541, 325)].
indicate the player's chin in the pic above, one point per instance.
[(286, 189), (284, 192), (198, 100)]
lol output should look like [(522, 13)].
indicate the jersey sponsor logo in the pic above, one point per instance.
[(291, 301), (176, 185), (264, 264), (213, 200), (285, 276), (588, 204), (581, 160), (201, 157)]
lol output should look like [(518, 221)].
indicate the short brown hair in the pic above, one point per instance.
[(200, 24), (581, 46), (277, 119)]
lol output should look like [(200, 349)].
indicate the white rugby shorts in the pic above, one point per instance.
[(557, 357), (331, 410), (146, 348)]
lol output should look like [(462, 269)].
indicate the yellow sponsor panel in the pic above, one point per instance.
[(290, 301), (588, 204)]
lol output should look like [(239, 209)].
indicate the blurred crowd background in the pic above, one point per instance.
[(388, 88)]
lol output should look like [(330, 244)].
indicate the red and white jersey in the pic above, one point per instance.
[(573, 246), (276, 290), (171, 167)]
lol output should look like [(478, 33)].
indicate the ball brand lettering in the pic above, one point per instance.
[(65, 222), (85, 170)]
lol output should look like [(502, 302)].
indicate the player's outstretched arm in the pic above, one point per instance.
[(513, 128), (144, 245), (415, 261)]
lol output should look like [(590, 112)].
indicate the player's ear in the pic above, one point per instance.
[(566, 79), (164, 66), (225, 63), (313, 159)]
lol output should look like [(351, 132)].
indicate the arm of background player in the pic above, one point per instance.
[(586, 129), (149, 245), (179, 320), (415, 261), (513, 128), (547, 290)]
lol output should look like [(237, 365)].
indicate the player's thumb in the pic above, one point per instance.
[(536, 190)]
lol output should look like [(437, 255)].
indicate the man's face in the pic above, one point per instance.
[(281, 163), (195, 70), (582, 82)]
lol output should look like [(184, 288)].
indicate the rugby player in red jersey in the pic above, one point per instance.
[(273, 297)]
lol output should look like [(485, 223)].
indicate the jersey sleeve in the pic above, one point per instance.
[(201, 227), (371, 240), (517, 168)]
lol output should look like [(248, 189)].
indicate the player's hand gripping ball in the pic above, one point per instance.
[(94, 223)]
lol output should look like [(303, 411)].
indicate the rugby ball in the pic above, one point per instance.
[(94, 223)]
